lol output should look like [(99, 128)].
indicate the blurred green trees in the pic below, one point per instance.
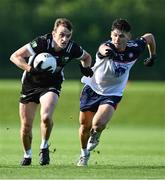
[(23, 20)]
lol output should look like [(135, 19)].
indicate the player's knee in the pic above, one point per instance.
[(84, 129), (46, 119)]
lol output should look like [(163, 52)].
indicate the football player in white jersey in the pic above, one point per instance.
[(42, 86), (103, 91)]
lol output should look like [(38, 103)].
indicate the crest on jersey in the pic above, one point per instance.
[(120, 70), (34, 44), (130, 55), (65, 60)]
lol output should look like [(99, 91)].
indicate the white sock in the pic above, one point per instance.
[(44, 144), (28, 154), (84, 152)]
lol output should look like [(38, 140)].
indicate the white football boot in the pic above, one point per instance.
[(83, 161), (93, 140)]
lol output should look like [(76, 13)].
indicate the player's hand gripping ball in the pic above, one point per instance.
[(45, 61)]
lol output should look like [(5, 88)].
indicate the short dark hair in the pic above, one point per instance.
[(63, 21), (121, 24)]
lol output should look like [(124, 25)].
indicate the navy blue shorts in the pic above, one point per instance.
[(90, 100)]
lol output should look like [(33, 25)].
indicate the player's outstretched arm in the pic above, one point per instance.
[(151, 45)]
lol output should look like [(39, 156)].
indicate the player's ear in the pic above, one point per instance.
[(53, 33), (111, 34)]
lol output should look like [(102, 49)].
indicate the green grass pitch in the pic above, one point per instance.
[(131, 147)]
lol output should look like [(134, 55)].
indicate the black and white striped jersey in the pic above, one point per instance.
[(46, 44)]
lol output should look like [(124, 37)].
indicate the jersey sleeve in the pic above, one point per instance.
[(39, 44), (76, 51), (141, 44)]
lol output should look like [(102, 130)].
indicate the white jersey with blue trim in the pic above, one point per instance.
[(111, 75)]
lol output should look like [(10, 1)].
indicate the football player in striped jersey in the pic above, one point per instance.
[(43, 87)]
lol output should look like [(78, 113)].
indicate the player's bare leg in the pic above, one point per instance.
[(27, 113), (48, 102), (101, 118), (85, 119)]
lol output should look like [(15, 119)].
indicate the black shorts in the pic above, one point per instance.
[(34, 94), (90, 100)]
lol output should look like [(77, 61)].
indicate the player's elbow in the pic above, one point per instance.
[(149, 37), (12, 57)]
